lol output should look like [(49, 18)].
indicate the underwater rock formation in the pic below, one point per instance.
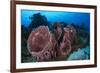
[(41, 44)]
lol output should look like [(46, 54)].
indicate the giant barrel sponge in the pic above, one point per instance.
[(44, 46), (41, 44)]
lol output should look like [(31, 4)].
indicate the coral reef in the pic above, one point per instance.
[(44, 46), (80, 54), (55, 40)]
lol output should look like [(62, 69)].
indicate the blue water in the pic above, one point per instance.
[(52, 16)]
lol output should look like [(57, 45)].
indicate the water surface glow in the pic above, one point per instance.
[(52, 16)]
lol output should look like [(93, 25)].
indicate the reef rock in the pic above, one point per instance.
[(41, 44)]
